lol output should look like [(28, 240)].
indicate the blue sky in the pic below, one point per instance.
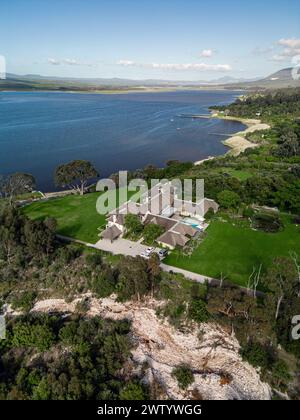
[(169, 39)]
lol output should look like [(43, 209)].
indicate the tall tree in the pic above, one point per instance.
[(75, 175), (15, 184), (282, 280)]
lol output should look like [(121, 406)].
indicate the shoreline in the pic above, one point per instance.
[(238, 143), (138, 89)]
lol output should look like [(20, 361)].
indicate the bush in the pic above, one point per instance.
[(296, 220), (248, 212), (257, 355), (94, 260), (152, 232), (267, 222), (184, 376), (281, 375), (228, 199), (210, 214), (198, 311), (133, 391), (24, 301), (104, 284)]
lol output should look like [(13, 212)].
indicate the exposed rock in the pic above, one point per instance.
[(211, 352)]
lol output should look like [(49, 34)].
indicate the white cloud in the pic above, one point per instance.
[(54, 62), (292, 43), (126, 63), (292, 48), (68, 62), (278, 57), (206, 53), (177, 67)]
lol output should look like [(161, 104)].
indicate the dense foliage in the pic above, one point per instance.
[(68, 359)]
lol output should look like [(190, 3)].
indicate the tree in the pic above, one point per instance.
[(282, 280), (15, 184), (133, 279), (198, 311), (152, 232), (133, 224), (133, 391), (229, 199), (154, 271), (75, 175)]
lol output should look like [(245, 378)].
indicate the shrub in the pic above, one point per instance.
[(133, 391), (184, 376), (94, 260), (198, 311), (229, 199), (267, 222), (257, 355), (104, 284), (248, 212), (24, 301), (210, 214), (152, 232)]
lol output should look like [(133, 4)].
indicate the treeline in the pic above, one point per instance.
[(280, 103)]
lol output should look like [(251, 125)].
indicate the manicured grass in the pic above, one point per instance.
[(235, 250), (76, 215)]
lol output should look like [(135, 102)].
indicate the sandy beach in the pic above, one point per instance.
[(238, 143)]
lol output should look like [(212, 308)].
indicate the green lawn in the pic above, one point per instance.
[(234, 250), (76, 215), (242, 175)]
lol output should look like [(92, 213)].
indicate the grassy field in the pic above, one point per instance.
[(235, 250), (76, 215)]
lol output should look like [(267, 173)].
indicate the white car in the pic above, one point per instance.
[(150, 251)]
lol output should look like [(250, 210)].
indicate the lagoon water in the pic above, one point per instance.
[(40, 130)]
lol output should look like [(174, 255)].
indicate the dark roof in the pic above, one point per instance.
[(111, 233)]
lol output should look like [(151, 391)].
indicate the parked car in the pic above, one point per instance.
[(150, 251), (162, 253)]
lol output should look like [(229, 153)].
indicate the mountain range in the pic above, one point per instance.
[(280, 79)]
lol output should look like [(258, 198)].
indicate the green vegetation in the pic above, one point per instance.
[(75, 175), (82, 362), (152, 232), (233, 249), (76, 215), (184, 376)]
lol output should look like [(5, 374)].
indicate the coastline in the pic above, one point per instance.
[(238, 143)]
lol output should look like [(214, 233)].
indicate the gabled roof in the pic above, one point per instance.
[(111, 233), (166, 223), (117, 218), (173, 239), (185, 229)]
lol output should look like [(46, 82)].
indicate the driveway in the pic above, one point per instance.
[(121, 247)]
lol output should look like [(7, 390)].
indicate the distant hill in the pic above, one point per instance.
[(280, 79)]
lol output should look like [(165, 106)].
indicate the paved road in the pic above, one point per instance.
[(133, 249), (121, 247), (188, 274)]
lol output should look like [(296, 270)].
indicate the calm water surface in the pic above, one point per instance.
[(40, 130)]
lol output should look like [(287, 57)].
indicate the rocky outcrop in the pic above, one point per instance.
[(211, 352)]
